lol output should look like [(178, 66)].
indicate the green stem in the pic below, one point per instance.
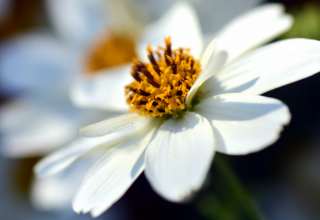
[(227, 199)]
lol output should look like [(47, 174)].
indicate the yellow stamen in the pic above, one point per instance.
[(111, 51), (161, 86)]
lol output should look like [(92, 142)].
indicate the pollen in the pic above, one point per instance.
[(110, 51), (161, 85)]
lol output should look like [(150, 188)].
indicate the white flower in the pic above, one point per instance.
[(37, 70), (223, 111)]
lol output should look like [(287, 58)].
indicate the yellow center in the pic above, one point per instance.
[(110, 51), (160, 87)]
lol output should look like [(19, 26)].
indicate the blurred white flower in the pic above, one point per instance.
[(37, 71), (185, 108), (78, 21), (212, 14)]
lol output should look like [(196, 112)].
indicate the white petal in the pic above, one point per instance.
[(63, 158), (78, 21), (244, 124), (181, 24), (103, 91), (214, 65), (269, 67), (36, 62), (179, 156), (57, 192), (30, 128), (81, 146), (208, 54), (253, 29), (130, 121), (111, 176), (51, 193), (214, 14)]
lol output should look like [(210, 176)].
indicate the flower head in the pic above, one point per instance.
[(111, 51), (161, 86), (187, 103)]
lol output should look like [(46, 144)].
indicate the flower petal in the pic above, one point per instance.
[(130, 121), (214, 14), (52, 193), (111, 176), (59, 160), (253, 29), (215, 64), (36, 62), (242, 123), (78, 21), (56, 192), (269, 67), (179, 156), (103, 91), (173, 24), (63, 158), (31, 128)]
